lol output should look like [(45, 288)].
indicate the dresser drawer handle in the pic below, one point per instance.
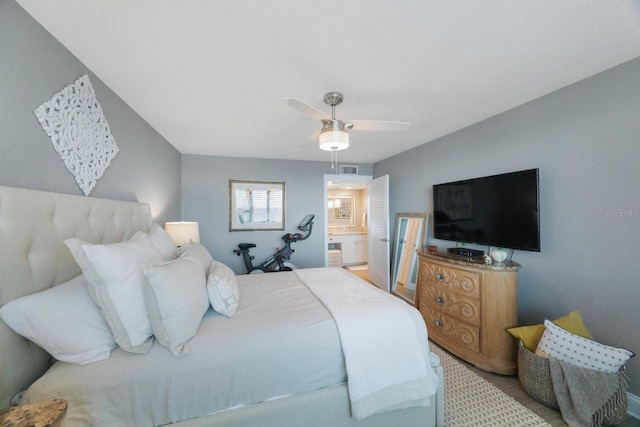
[(440, 276), (440, 300), (439, 323)]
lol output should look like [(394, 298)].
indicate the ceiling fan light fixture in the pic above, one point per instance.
[(333, 140), (333, 136)]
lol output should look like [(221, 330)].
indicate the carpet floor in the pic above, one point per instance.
[(472, 401)]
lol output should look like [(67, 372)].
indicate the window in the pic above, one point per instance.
[(256, 205)]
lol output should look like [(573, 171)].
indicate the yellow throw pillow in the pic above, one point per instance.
[(530, 335), (572, 322)]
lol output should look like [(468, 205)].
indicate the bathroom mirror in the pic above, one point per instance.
[(409, 236), (341, 211)]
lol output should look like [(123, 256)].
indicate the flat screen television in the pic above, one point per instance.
[(499, 210)]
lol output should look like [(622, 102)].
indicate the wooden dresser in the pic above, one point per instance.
[(468, 306)]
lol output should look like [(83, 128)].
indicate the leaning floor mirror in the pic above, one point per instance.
[(409, 236)]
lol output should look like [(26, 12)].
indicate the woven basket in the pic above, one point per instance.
[(535, 376)]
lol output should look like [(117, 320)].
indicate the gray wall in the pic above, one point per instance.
[(585, 139), (33, 66), (205, 198)]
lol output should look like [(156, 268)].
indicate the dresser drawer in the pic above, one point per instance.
[(450, 278), (450, 328), (451, 303)]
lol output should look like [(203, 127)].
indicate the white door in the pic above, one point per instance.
[(378, 208)]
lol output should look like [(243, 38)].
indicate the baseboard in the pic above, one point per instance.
[(633, 405)]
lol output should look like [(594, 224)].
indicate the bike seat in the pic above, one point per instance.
[(245, 246)]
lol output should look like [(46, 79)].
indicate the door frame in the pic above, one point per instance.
[(328, 178)]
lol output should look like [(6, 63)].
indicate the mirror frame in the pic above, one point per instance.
[(349, 221), (420, 242)]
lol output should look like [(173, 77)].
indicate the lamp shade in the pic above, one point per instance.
[(182, 232), (334, 140), (333, 136)]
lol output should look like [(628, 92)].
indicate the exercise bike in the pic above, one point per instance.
[(277, 261)]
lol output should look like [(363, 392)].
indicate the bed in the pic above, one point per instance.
[(281, 359)]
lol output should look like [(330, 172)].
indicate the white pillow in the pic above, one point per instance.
[(222, 288), (64, 321), (163, 242), (115, 283), (175, 294), (576, 350), (75, 247), (160, 239), (200, 252)]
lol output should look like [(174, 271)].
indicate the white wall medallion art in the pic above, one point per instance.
[(79, 132)]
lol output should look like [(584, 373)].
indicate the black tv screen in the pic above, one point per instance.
[(499, 210)]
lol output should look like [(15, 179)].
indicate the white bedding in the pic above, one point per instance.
[(231, 362), (383, 341), (281, 341), (157, 388)]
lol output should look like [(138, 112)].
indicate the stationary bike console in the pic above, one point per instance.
[(277, 261)]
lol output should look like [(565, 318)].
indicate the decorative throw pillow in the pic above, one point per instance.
[(222, 288), (64, 321), (200, 252), (163, 242), (175, 295), (530, 335), (115, 280), (576, 350)]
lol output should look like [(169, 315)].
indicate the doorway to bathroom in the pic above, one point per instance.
[(349, 222)]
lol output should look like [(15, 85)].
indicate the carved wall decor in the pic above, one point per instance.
[(79, 132)]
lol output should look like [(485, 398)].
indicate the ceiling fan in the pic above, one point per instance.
[(333, 135)]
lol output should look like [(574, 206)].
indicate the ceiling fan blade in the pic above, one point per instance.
[(311, 140), (379, 125), (307, 109)]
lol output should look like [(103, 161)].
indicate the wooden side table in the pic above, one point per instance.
[(48, 413)]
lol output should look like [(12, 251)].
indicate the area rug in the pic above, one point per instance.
[(472, 401)]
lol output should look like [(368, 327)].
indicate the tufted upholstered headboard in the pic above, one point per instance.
[(33, 257)]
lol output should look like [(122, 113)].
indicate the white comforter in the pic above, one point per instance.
[(282, 341), (384, 341)]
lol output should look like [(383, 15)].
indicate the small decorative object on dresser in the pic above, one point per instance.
[(468, 307), (498, 256)]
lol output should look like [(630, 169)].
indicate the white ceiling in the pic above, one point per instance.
[(211, 75)]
